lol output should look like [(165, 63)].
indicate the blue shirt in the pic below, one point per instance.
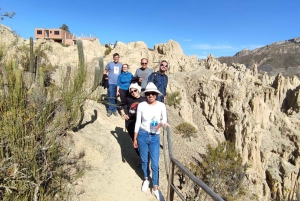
[(160, 81), (114, 70), (124, 80)]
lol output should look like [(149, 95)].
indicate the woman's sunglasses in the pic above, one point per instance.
[(150, 93), (133, 91)]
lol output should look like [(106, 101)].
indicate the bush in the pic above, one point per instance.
[(187, 130), (33, 123), (108, 49), (173, 99), (222, 170)]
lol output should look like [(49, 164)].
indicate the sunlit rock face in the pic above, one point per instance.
[(259, 113)]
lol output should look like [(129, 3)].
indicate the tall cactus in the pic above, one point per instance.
[(101, 64), (80, 53), (98, 73), (42, 77), (31, 57)]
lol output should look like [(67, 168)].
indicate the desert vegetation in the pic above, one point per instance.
[(173, 98), (186, 129), (35, 117), (221, 168)]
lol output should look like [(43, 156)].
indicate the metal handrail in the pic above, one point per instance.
[(170, 175)]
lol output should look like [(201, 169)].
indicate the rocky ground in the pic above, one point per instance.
[(111, 164)]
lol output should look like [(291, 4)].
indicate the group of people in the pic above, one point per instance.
[(143, 98)]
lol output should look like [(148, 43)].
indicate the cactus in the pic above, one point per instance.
[(101, 64), (98, 73), (41, 76), (96, 78), (31, 56), (80, 53)]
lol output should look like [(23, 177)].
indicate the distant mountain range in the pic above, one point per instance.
[(279, 57)]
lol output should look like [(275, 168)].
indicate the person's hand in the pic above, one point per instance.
[(140, 79), (125, 116), (117, 94), (166, 125), (135, 144), (165, 100), (158, 126)]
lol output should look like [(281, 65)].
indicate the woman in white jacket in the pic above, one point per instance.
[(151, 115)]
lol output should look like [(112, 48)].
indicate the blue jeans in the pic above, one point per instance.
[(112, 89), (149, 144)]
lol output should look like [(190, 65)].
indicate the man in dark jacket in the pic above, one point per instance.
[(160, 79)]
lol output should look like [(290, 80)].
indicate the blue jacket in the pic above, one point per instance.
[(161, 82), (124, 80)]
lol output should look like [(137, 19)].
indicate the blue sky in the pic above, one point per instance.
[(201, 27)]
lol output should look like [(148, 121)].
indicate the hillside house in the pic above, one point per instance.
[(59, 35)]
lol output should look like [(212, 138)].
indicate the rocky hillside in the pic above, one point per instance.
[(256, 111), (279, 57)]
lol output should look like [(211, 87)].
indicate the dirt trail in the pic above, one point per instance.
[(111, 173)]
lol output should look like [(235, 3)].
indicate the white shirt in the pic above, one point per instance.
[(146, 112)]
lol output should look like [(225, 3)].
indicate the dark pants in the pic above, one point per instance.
[(123, 94), (130, 129)]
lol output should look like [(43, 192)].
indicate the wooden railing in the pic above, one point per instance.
[(170, 173)]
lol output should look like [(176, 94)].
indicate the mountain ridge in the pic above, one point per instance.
[(278, 57)]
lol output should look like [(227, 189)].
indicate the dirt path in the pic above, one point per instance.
[(111, 173)]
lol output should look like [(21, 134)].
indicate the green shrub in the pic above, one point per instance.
[(33, 123), (222, 170), (186, 129), (173, 98), (108, 49)]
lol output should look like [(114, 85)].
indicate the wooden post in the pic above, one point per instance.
[(170, 195)]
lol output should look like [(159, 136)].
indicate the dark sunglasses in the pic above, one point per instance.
[(133, 91), (150, 93), (164, 65), (143, 63)]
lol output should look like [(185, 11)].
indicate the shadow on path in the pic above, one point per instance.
[(127, 151), (81, 126)]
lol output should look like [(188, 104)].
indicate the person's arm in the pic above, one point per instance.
[(118, 86), (124, 103), (137, 125), (123, 114), (165, 97), (150, 78), (163, 121), (106, 69)]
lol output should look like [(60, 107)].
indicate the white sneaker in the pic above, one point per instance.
[(158, 195), (145, 185)]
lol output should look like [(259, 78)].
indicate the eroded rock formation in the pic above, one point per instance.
[(258, 113), (260, 116)]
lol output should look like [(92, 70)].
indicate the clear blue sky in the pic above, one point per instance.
[(201, 27)]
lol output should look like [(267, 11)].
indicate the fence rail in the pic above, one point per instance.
[(170, 174)]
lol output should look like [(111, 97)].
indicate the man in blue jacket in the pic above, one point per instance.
[(160, 79), (113, 69)]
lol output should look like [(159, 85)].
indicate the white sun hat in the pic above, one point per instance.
[(135, 86), (151, 88)]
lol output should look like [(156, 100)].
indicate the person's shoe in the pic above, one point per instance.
[(158, 195), (115, 113), (145, 185), (108, 114)]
